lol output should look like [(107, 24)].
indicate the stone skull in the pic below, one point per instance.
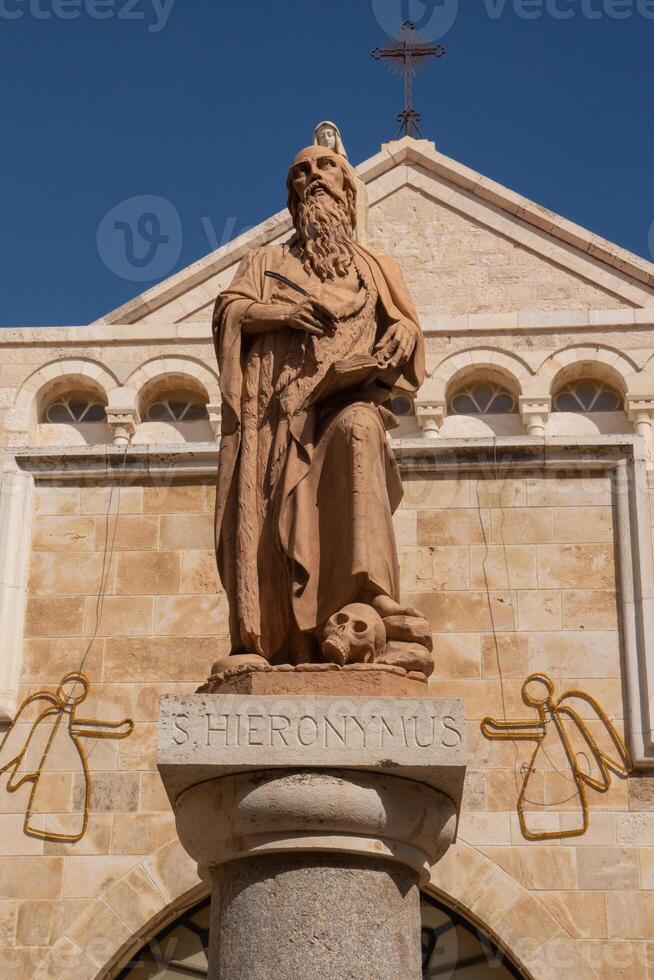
[(356, 634)]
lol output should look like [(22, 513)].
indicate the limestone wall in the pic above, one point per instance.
[(459, 266)]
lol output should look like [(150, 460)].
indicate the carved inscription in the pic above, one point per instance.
[(240, 729), (207, 736)]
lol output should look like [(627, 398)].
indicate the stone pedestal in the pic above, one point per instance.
[(316, 819)]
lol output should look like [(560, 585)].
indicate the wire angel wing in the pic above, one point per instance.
[(15, 744), (598, 740)]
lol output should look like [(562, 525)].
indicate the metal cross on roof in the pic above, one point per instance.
[(409, 54)]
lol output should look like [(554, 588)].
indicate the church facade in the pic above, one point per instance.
[(525, 536)]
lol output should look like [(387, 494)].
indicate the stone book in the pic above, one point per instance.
[(354, 372)]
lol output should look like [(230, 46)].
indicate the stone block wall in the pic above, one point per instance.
[(517, 574), (123, 586), (456, 265)]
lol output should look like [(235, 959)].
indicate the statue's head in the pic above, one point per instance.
[(328, 134), (322, 200)]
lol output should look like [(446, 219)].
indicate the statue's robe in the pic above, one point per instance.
[(305, 493)]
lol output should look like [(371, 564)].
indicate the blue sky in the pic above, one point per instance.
[(195, 107)]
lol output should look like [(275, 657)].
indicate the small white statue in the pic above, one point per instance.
[(328, 134)]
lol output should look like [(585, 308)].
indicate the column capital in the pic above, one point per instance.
[(640, 408), (535, 411), (430, 413), (123, 422)]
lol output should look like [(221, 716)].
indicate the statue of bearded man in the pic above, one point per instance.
[(312, 337)]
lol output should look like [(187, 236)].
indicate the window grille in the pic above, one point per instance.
[(482, 398), (587, 395)]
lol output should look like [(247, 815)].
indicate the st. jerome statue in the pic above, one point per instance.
[(312, 339)]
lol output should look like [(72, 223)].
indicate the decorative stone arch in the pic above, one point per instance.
[(116, 924), (478, 361), (516, 919), (155, 892), (81, 371), (649, 366), (160, 368), (167, 372), (598, 363), (482, 362), (603, 363)]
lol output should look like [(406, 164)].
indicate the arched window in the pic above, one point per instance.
[(73, 408), (176, 406), (452, 946), (482, 398), (587, 395)]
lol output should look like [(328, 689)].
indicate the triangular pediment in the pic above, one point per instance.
[(466, 245)]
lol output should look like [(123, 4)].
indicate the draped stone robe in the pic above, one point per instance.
[(305, 493)]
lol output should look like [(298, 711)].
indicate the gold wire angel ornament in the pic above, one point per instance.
[(49, 738), (565, 741)]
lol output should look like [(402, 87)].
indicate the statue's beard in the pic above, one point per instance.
[(325, 231)]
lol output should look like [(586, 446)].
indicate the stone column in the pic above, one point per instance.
[(316, 819), (315, 915)]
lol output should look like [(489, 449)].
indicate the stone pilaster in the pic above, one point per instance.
[(640, 409)]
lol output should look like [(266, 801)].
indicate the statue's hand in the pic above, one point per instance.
[(311, 316), (397, 345)]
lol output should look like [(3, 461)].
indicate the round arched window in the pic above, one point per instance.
[(73, 408), (482, 398), (587, 395), (176, 406)]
